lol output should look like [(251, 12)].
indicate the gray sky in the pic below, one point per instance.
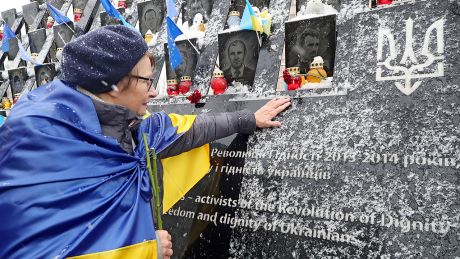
[(9, 4)]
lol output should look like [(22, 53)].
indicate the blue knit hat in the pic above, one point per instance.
[(101, 58)]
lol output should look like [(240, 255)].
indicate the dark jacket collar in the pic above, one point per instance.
[(116, 121)]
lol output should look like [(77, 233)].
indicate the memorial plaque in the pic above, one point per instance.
[(37, 39), (151, 16), (62, 34), (189, 60), (238, 54), (109, 20), (333, 3), (370, 174), (13, 48), (44, 73), (306, 39), (9, 16), (194, 7), (18, 78), (30, 12)]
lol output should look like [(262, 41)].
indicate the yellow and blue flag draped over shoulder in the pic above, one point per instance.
[(68, 191), (59, 17), (250, 21), (113, 12), (7, 35)]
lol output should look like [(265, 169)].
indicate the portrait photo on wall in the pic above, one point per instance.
[(37, 39), (189, 60), (13, 48), (238, 56), (308, 39), (109, 20), (194, 11), (44, 73), (151, 15), (63, 33), (18, 78), (332, 3)]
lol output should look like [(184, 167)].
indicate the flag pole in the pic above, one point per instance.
[(198, 52)]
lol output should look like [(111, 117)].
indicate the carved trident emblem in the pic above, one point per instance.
[(414, 70)]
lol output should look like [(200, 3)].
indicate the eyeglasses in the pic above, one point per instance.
[(149, 80)]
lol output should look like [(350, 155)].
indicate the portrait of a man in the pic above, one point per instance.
[(306, 39), (189, 60), (109, 20), (150, 16), (193, 7), (44, 73), (238, 55), (18, 78)]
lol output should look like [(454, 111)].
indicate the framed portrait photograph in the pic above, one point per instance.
[(238, 56), (18, 78), (189, 60), (44, 73), (63, 33), (193, 7), (310, 38), (37, 39), (151, 15), (109, 20)]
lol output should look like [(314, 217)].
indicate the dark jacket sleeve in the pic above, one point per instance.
[(209, 127)]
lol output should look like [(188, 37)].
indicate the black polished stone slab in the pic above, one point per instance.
[(369, 174), (36, 40), (17, 79), (44, 73), (63, 33), (108, 20), (13, 48), (151, 15)]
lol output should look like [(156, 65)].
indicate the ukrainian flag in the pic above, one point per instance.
[(250, 21), (67, 191)]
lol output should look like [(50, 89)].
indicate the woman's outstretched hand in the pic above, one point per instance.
[(264, 116)]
